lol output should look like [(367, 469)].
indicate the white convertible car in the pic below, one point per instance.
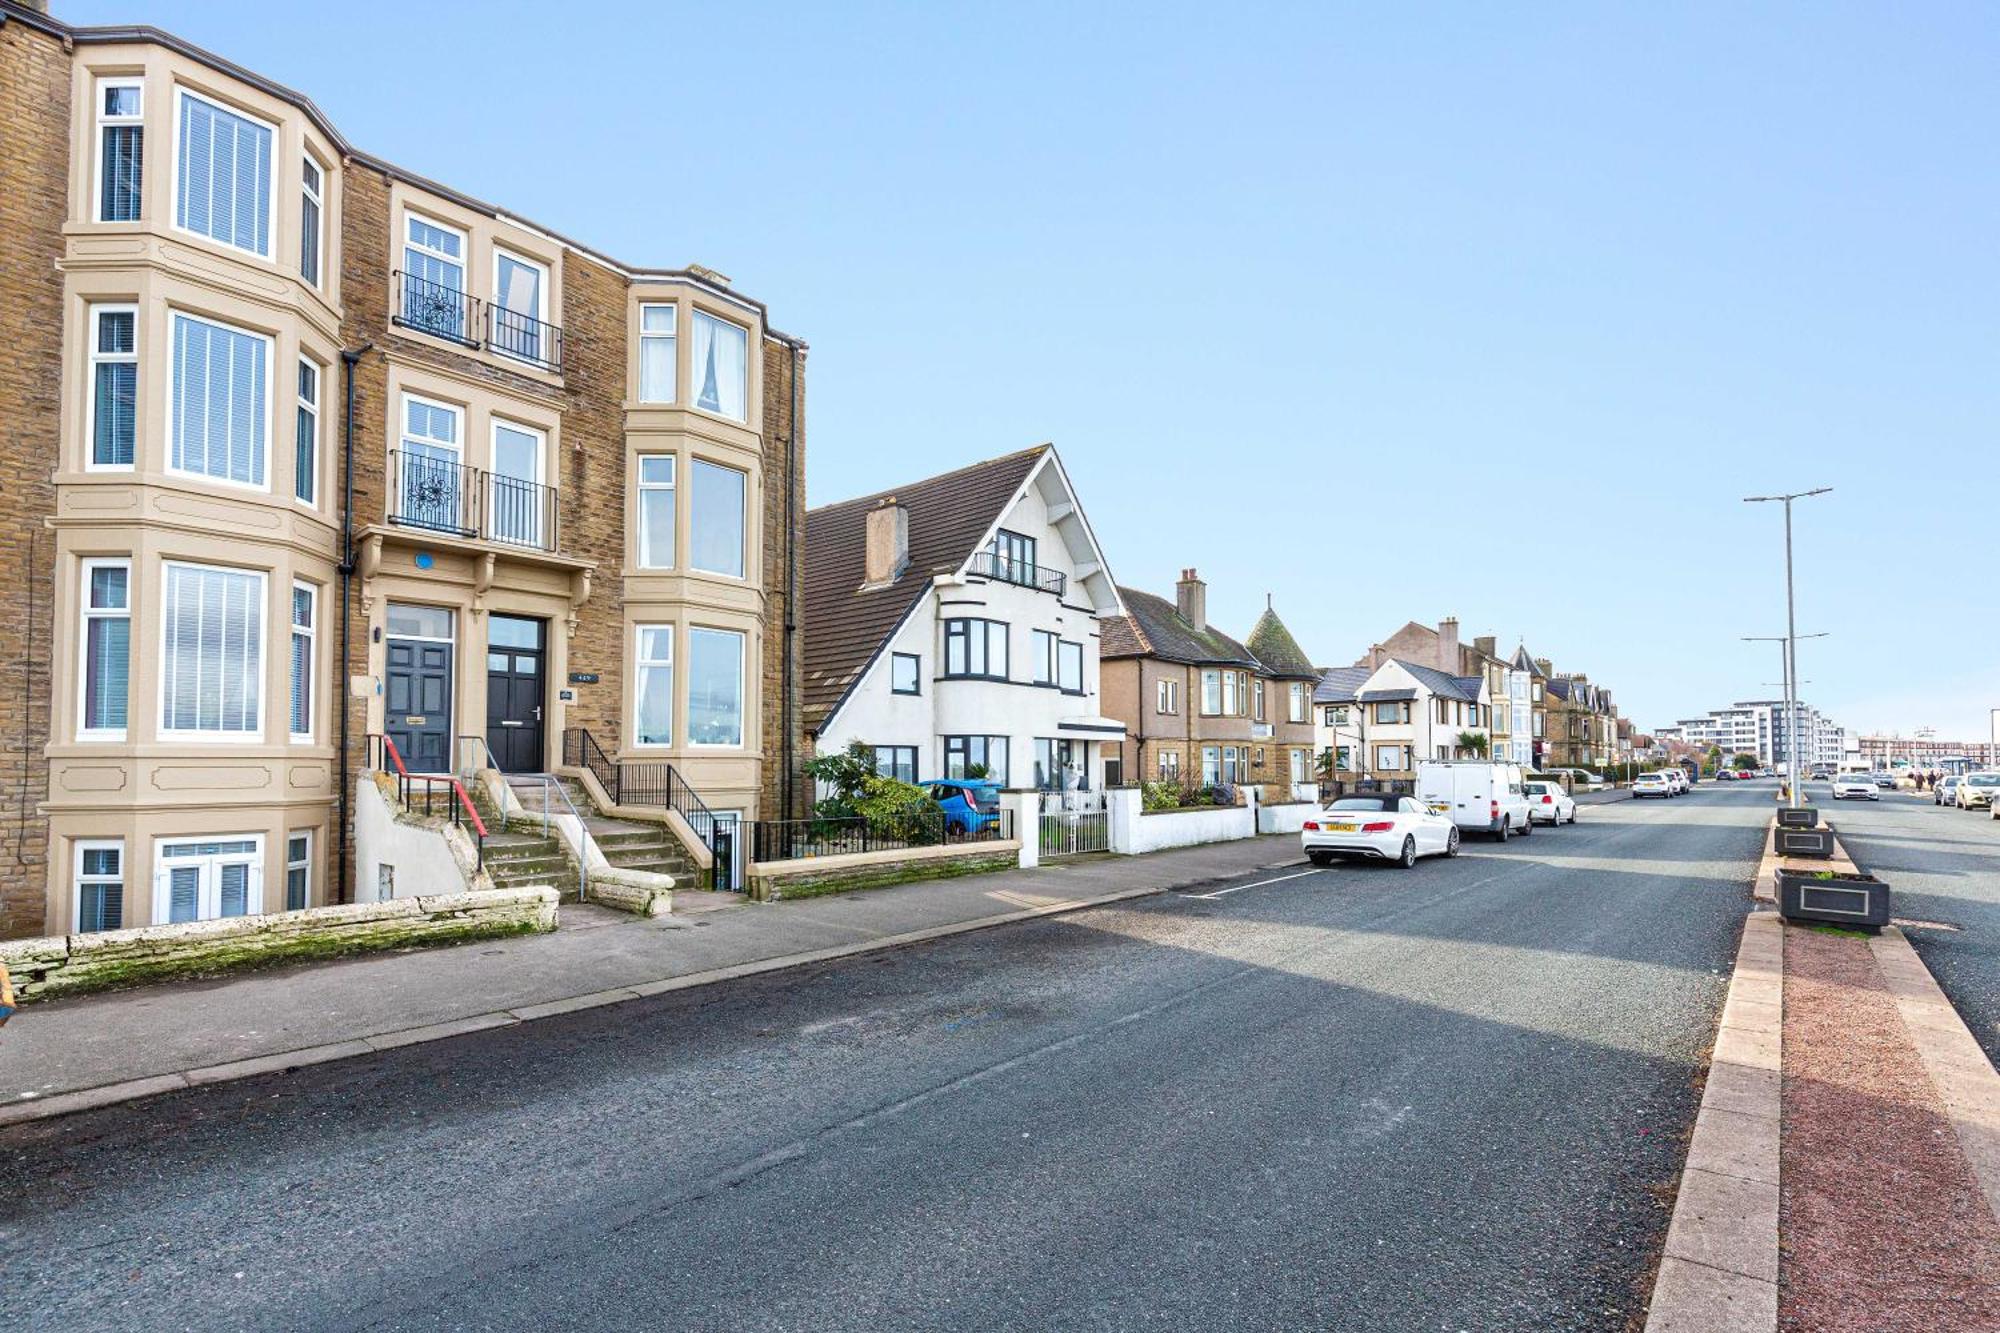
[(1378, 826)]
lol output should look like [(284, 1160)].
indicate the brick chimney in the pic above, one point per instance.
[(1448, 644), (1546, 668), (888, 553), (1191, 599), (1487, 645)]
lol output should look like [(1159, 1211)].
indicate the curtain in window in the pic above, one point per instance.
[(214, 650), (655, 702), (656, 354), (225, 176), (721, 351), (219, 397), (715, 687)]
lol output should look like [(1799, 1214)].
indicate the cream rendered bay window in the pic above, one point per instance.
[(653, 685), (715, 687), (716, 518), (218, 418), (212, 652), (114, 387), (121, 143), (305, 435), (103, 692), (305, 603), (100, 885), (656, 511), (720, 365), (222, 174), (202, 879), (309, 215), (657, 371)]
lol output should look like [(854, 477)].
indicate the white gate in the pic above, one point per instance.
[(1073, 823)]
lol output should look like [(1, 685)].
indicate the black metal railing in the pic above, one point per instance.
[(581, 750), (428, 791), (520, 513), (986, 564), (439, 494), (657, 784), (796, 839), (1352, 786), (433, 308), (523, 337)]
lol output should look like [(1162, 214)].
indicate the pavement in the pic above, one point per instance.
[(1944, 867), (110, 1047), (1454, 1097)]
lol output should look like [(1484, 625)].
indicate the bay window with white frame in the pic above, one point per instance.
[(208, 878), (715, 687), (656, 511), (223, 176), (717, 513), (311, 210), (212, 652), (298, 870), (305, 435), (99, 885), (720, 365), (653, 685), (104, 688), (658, 371), (121, 144), (305, 607), (219, 412), (114, 388)]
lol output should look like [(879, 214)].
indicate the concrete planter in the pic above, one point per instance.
[(1816, 843), (1833, 899), (1806, 816)]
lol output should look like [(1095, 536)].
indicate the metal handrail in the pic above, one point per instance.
[(547, 781), (581, 750), (382, 751), (523, 337), (634, 783), (988, 564), (520, 513)]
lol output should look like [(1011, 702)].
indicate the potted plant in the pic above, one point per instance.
[(1833, 898), (1816, 843)]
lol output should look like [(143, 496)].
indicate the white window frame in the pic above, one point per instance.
[(310, 633), (173, 404), (318, 197), (1166, 697), (99, 123), (88, 614), (97, 358), (541, 312), (489, 523), (1300, 709), (672, 488), (181, 94), (694, 399), (262, 600), (640, 663), (671, 336), (304, 864), (742, 690), (78, 879), (467, 334), (1169, 765), (308, 408), (208, 904), (742, 520)]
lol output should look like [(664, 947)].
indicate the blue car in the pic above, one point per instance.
[(970, 805)]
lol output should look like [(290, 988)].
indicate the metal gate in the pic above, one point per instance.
[(1073, 823)]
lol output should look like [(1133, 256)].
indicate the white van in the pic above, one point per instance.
[(1479, 795)]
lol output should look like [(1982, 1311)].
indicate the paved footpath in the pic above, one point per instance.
[(1452, 1097), (162, 1033)]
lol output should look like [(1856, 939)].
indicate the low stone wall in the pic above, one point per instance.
[(1289, 817), (75, 964), (810, 877), (1134, 830)]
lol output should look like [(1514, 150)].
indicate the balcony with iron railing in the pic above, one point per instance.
[(434, 492), (446, 312), (988, 564)]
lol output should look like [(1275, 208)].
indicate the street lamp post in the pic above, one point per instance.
[(1791, 631), (1789, 724)]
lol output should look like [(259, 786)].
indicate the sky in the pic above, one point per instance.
[(1387, 313)]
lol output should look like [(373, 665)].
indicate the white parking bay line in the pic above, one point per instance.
[(1224, 893)]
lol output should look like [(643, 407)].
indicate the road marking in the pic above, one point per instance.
[(1223, 893)]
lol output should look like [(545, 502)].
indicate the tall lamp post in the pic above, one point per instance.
[(1791, 627), (1790, 685)]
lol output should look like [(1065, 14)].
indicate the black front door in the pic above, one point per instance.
[(417, 712), (514, 662)]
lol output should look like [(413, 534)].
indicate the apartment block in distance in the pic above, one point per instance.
[(304, 453)]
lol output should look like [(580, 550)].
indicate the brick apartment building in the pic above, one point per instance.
[(298, 447)]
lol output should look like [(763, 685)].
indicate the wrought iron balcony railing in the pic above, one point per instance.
[(520, 513), (439, 494), (523, 337), (986, 564), (433, 308)]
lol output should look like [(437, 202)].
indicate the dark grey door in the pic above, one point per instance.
[(514, 662), (417, 712)]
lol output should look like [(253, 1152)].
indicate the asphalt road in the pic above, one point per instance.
[(1942, 865), (1358, 1098)]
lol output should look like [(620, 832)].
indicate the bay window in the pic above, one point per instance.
[(309, 215), (653, 694), (716, 518), (223, 175), (1389, 758), (1170, 765), (204, 879), (721, 365), (305, 600), (100, 885), (715, 687), (1257, 694), (1211, 693), (976, 648), (305, 451), (1300, 703), (963, 754), (656, 511), (212, 658), (107, 649), (121, 143), (219, 413), (657, 371), (114, 385)]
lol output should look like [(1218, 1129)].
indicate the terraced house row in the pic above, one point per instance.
[(315, 467)]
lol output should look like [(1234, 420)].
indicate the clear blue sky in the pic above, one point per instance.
[(1392, 312)]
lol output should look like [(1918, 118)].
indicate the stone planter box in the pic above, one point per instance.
[(1836, 900), (1806, 816), (1816, 843)]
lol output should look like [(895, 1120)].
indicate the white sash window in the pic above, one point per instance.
[(212, 652), (204, 879), (223, 176)]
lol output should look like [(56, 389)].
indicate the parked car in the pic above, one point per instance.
[(1377, 826), (1945, 791), (1478, 795), (1652, 784), (1725, 775), (1548, 803), (1976, 791), (1857, 785), (1676, 777), (970, 805), (1884, 781)]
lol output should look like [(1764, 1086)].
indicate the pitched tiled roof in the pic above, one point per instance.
[(1273, 645), (1152, 627), (1338, 685), (844, 625), (1439, 682), (1559, 688)]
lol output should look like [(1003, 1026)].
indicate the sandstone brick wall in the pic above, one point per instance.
[(34, 184), (779, 429)]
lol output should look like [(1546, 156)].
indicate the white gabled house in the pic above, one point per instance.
[(1380, 723), (951, 625)]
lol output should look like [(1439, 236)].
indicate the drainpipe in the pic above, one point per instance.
[(789, 656), (348, 361)]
